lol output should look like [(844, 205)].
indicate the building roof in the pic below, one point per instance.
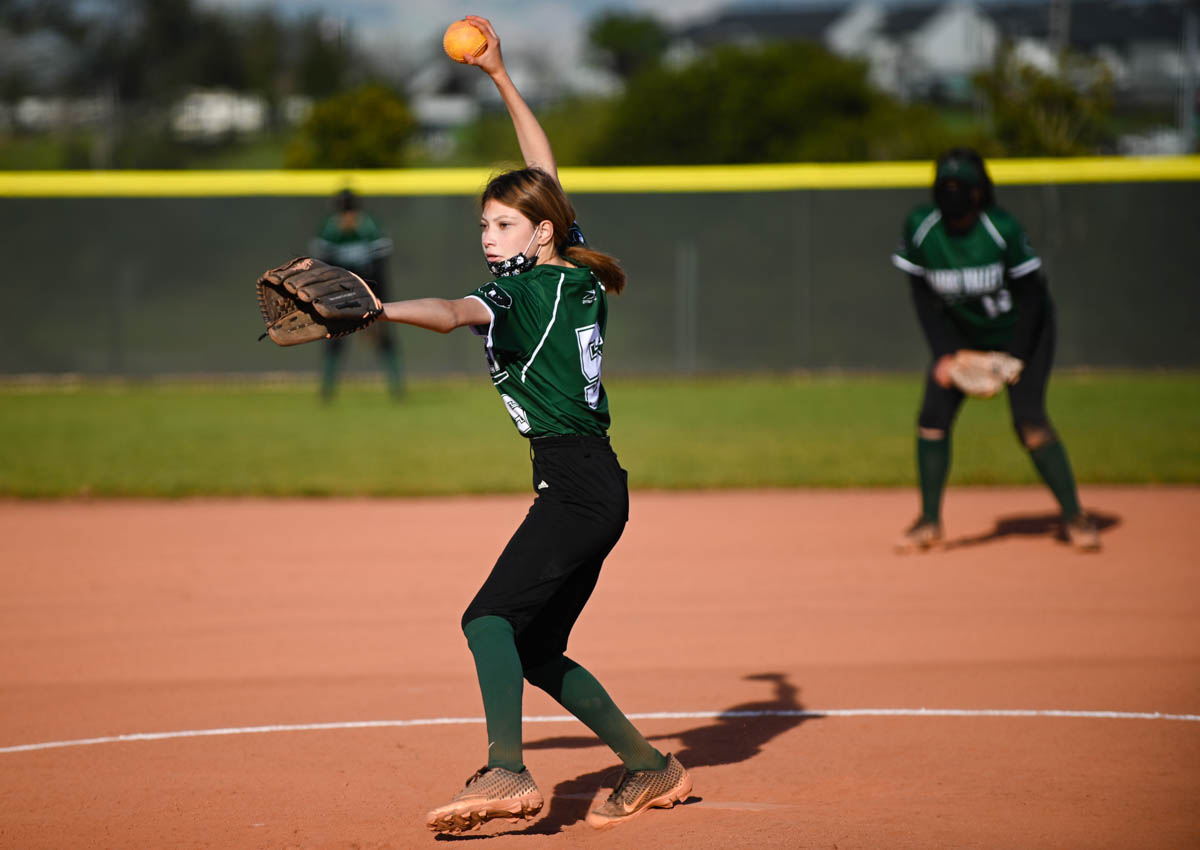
[(1092, 22), (1095, 22), (766, 23)]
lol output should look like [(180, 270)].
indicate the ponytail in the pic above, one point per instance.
[(607, 269), (540, 197)]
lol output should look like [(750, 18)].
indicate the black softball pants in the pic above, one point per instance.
[(1026, 398), (548, 570)]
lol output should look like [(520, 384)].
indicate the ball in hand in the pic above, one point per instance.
[(462, 40)]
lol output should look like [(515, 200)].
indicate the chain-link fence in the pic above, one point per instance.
[(722, 281)]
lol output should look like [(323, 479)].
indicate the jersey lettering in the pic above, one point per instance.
[(1000, 302), (517, 413), (968, 282), (591, 353)]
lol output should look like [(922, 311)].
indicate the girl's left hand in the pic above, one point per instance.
[(490, 61)]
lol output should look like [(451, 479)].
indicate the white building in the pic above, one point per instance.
[(206, 115)]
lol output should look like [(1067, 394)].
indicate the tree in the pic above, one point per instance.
[(778, 103), (367, 127), (626, 42), (325, 56), (1034, 113)]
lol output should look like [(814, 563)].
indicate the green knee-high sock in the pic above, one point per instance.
[(498, 667), (395, 374), (578, 692), (1054, 467), (933, 466), (329, 371)]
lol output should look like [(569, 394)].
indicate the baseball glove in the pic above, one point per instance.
[(306, 299), (982, 374)]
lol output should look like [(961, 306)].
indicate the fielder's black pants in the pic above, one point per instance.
[(549, 568), (1026, 398)]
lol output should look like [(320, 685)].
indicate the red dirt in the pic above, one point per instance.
[(141, 617)]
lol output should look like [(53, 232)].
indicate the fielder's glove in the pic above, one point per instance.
[(982, 374), (307, 299)]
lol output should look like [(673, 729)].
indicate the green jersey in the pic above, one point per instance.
[(353, 249), (544, 347), (969, 271)]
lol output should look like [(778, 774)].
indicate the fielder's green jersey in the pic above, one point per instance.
[(544, 348), (969, 271), (354, 249)]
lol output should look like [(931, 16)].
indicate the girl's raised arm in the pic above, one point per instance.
[(535, 144)]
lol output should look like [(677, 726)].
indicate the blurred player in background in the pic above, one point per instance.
[(976, 284), (543, 317), (350, 238)]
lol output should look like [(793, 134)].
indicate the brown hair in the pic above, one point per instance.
[(539, 197)]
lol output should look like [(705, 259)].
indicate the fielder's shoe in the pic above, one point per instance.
[(492, 792), (920, 536), (639, 790), (1083, 533)]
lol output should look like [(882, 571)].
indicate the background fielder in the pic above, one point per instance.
[(977, 284), (351, 239)]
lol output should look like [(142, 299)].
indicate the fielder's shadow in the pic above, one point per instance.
[(736, 734), (1030, 525)]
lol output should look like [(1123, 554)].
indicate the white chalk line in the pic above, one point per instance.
[(653, 715)]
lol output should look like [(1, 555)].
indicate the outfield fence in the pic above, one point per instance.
[(749, 268)]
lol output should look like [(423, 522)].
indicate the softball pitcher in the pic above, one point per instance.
[(543, 319), (977, 284)]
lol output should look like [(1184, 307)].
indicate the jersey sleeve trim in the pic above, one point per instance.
[(549, 325), (479, 330), (1030, 265), (907, 265), (993, 232)]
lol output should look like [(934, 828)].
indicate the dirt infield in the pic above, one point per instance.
[(784, 650)]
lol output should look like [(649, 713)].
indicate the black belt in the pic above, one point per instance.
[(577, 440)]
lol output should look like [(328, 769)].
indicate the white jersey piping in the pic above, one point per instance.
[(553, 316), (992, 231), (926, 226)]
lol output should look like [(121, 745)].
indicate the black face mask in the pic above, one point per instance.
[(954, 198), (515, 264)]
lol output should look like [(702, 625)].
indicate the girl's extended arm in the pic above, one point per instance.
[(438, 314), (535, 145)]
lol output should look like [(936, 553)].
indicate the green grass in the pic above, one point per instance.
[(246, 438)]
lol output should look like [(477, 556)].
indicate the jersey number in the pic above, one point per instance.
[(591, 351), (997, 303)]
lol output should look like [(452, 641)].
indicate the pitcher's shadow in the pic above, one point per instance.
[(736, 734), (1029, 525)]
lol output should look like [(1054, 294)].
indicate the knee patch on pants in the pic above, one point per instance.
[(1035, 434)]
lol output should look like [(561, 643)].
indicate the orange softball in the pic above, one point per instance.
[(462, 40)]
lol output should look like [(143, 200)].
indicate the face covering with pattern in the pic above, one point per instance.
[(515, 264)]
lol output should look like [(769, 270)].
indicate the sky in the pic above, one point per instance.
[(393, 26), (398, 33)]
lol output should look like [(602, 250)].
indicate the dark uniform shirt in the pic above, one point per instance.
[(544, 348), (969, 272)]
